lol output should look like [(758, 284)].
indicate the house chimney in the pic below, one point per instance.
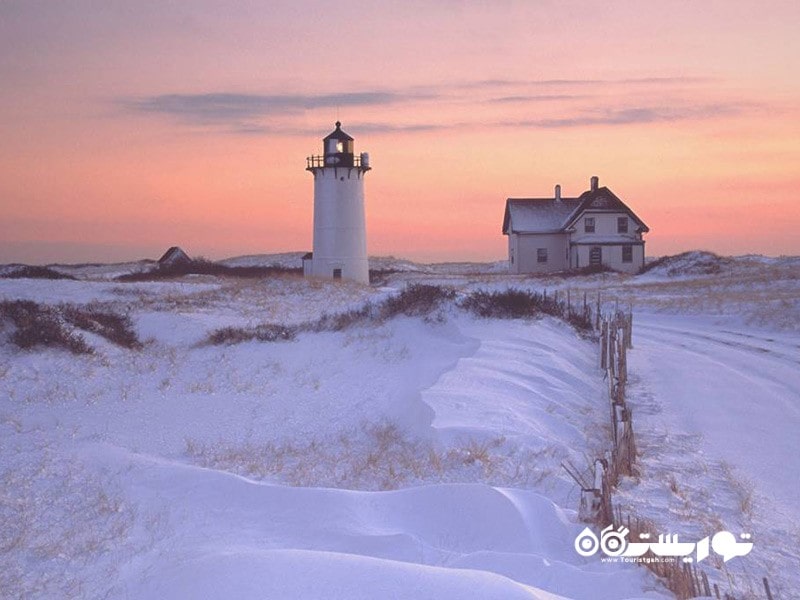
[(558, 193), (594, 181)]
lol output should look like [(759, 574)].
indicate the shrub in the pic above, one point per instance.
[(589, 270), (34, 272), (262, 333), (202, 266), (270, 332), (38, 325), (581, 322), (511, 304), (117, 329), (344, 320), (379, 276), (416, 300)]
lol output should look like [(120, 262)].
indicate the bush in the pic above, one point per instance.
[(416, 300), (206, 267), (589, 270), (345, 320), (33, 272), (581, 322), (117, 329), (38, 325), (511, 304), (380, 276), (261, 333)]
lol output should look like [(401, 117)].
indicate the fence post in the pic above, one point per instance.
[(586, 313), (612, 342), (597, 315), (706, 588), (766, 589), (603, 345), (569, 305), (630, 327)]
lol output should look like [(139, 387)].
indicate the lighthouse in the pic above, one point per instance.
[(340, 236)]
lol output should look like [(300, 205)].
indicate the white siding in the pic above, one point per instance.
[(611, 256), (605, 225), (526, 245), (570, 250)]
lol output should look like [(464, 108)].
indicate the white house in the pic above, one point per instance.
[(559, 234)]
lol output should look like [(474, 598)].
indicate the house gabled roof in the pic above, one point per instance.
[(549, 215), (603, 200)]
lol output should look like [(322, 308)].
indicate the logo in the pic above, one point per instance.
[(614, 543)]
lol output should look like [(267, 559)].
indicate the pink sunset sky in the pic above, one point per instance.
[(128, 127)]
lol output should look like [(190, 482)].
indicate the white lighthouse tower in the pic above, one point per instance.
[(340, 237)]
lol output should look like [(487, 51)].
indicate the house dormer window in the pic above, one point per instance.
[(588, 225), (622, 224)]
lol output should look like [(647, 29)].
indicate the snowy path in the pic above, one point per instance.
[(717, 411)]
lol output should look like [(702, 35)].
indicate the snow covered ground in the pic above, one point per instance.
[(414, 457)]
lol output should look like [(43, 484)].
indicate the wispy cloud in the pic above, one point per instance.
[(537, 83), (598, 118), (635, 116), (263, 114), (521, 99), (232, 107)]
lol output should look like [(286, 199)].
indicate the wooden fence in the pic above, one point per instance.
[(615, 338)]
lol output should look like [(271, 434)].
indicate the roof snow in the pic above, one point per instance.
[(554, 215), (538, 215)]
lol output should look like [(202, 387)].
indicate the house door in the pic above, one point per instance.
[(595, 256), (337, 273)]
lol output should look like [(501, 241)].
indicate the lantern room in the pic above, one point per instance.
[(338, 148)]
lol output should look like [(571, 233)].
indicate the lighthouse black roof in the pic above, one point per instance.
[(337, 134)]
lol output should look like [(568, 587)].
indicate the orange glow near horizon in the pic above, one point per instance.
[(128, 131)]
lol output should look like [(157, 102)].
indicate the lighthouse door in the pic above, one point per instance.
[(337, 273)]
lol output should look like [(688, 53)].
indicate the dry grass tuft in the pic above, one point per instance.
[(374, 457)]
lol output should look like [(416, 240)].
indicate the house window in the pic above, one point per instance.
[(595, 256), (627, 253), (588, 225), (541, 255), (337, 273), (622, 224)]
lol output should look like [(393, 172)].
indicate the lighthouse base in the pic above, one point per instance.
[(350, 269)]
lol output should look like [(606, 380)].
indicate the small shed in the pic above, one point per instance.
[(174, 257)]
